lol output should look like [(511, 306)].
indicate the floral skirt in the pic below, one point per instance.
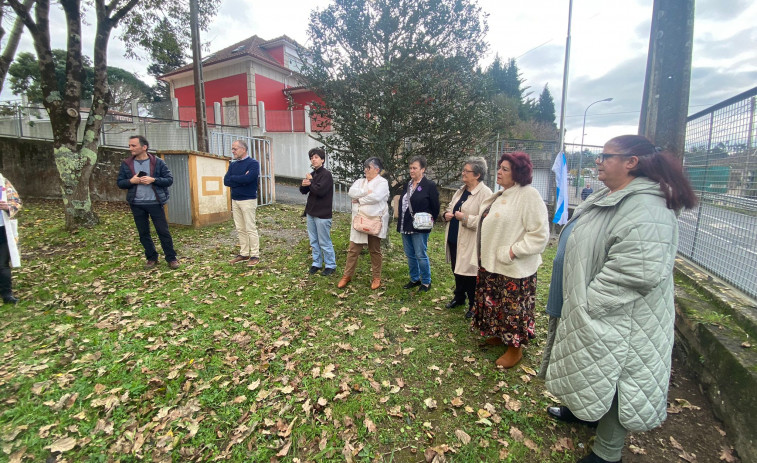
[(504, 307)]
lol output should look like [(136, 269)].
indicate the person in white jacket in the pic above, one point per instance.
[(10, 204), (370, 197)]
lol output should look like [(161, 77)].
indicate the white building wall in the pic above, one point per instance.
[(290, 153)]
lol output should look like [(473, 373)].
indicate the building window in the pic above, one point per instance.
[(230, 110)]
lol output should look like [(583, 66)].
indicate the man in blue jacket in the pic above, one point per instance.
[(242, 178), (147, 178)]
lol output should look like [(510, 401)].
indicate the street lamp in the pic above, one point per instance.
[(583, 132)]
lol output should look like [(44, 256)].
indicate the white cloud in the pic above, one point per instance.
[(610, 40)]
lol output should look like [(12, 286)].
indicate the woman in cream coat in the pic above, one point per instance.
[(369, 196), (513, 231), (461, 216)]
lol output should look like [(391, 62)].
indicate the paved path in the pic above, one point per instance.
[(289, 194)]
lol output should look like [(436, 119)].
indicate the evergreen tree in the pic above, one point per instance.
[(392, 91), (167, 54), (545, 107)]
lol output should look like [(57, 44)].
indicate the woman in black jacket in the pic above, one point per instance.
[(420, 195)]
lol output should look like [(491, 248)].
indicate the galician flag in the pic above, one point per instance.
[(560, 168)]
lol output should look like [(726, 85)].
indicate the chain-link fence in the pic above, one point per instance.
[(720, 234), (582, 172)]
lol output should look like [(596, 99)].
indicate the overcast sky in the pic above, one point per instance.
[(610, 40)]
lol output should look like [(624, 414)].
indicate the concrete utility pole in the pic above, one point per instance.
[(202, 118), (665, 101)]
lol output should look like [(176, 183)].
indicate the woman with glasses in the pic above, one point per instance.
[(369, 196), (612, 348), (461, 216), (513, 230)]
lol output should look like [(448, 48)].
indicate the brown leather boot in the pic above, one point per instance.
[(343, 282), (511, 357), (376, 283)]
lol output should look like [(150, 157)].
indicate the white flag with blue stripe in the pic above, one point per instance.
[(560, 168)]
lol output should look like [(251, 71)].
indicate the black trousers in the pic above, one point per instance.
[(464, 284), (142, 214), (5, 266)]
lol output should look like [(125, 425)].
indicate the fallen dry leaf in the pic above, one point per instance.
[(436, 454), (62, 445), (727, 456), (369, 425), (328, 372), (675, 443), (637, 450), (463, 436), (430, 403), (11, 435), (531, 445), (690, 457), (516, 433), (563, 444), (457, 402), (285, 449), (685, 404)]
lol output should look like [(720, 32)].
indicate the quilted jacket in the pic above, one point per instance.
[(616, 330)]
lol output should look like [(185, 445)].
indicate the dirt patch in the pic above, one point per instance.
[(692, 434)]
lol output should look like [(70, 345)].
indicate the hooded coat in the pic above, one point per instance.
[(616, 330)]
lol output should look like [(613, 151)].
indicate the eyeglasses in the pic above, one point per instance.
[(465, 171), (602, 157)]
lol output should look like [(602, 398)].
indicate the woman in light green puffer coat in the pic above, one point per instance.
[(611, 356)]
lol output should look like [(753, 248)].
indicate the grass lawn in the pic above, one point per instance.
[(103, 361)]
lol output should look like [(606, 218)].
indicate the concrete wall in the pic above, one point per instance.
[(290, 153), (30, 166)]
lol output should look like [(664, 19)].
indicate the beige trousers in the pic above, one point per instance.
[(244, 221), (374, 247)]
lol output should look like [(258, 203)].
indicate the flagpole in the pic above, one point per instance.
[(563, 104)]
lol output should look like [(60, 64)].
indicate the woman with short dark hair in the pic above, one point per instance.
[(612, 346), (420, 196), (513, 231)]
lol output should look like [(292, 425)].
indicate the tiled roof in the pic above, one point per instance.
[(254, 47)]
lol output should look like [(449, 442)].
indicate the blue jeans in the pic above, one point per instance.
[(319, 232), (417, 257)]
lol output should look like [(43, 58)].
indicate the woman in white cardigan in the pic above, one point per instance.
[(513, 231), (370, 197), (10, 204)]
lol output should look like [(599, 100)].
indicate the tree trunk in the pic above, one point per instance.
[(75, 170)]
